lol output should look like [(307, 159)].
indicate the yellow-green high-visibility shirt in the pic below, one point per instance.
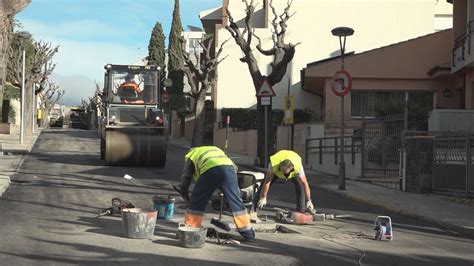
[(205, 158), (282, 155)]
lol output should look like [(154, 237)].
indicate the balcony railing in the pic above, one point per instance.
[(462, 49)]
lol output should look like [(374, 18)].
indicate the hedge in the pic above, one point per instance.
[(245, 118)]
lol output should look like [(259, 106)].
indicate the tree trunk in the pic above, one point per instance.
[(44, 118), (28, 114), (6, 31), (198, 129)]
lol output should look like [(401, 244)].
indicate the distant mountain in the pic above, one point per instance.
[(76, 88)]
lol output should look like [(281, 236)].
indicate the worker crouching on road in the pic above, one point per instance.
[(285, 165), (211, 169)]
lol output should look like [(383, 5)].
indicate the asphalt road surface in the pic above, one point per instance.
[(48, 216)]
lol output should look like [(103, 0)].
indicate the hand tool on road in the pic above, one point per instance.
[(218, 222), (343, 216), (116, 208)]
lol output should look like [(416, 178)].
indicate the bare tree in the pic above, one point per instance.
[(281, 51), (201, 76), (94, 107), (50, 95), (41, 68)]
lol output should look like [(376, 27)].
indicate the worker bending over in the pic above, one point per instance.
[(211, 169), (285, 165)]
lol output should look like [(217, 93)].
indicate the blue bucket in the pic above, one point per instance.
[(164, 206)]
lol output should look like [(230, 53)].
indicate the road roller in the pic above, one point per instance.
[(134, 131)]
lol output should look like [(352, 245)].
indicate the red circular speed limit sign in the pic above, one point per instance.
[(165, 97), (341, 83)]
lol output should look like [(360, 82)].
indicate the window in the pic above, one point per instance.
[(370, 103)]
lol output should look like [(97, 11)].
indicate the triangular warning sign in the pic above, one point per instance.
[(266, 90)]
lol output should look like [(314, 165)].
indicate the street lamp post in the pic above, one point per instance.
[(34, 109), (342, 33), (22, 122), (23, 35)]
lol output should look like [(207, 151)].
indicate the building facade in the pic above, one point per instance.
[(381, 24), (417, 68), (462, 61)]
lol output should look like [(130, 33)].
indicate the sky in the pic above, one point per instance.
[(93, 33)]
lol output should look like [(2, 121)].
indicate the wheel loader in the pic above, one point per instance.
[(134, 131)]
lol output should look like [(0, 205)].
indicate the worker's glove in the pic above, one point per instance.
[(309, 205), (261, 203)]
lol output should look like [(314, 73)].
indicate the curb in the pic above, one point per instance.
[(22, 151), (4, 183), (446, 225), (16, 152)]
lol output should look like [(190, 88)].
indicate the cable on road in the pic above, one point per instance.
[(349, 246)]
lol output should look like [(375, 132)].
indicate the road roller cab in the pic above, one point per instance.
[(134, 131)]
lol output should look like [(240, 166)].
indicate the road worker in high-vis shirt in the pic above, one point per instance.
[(285, 165), (211, 169)]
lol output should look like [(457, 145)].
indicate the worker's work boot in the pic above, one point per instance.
[(253, 217)]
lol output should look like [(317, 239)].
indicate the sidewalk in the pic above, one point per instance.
[(10, 143), (432, 208), (12, 154)]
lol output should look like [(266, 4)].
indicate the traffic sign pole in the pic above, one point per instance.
[(265, 153), (265, 93)]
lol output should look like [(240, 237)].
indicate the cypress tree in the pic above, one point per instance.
[(175, 59), (156, 47)]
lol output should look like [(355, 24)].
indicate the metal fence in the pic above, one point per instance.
[(381, 143), (377, 139), (453, 164), (331, 144)]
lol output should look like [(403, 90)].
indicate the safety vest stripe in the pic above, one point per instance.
[(198, 161), (201, 164), (243, 229), (243, 212), (204, 153), (242, 221)]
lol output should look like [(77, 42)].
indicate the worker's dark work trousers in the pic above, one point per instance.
[(300, 198), (225, 179)]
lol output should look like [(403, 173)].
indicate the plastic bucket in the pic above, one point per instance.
[(164, 207), (191, 237), (138, 223)]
